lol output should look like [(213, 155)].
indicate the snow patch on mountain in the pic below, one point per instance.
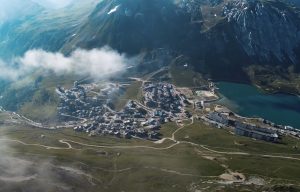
[(114, 9), (264, 30)]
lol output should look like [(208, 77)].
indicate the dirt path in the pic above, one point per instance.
[(69, 146), (181, 127), (123, 147), (39, 145), (178, 173), (248, 154)]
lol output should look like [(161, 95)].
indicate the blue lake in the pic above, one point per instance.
[(247, 100)]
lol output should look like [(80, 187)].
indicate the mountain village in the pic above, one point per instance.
[(161, 103)]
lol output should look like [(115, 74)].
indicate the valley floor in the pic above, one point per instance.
[(190, 157)]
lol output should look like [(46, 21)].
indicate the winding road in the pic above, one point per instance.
[(69, 146)]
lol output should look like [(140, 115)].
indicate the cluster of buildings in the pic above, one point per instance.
[(264, 130), (284, 130), (162, 103), (256, 132), (75, 103), (243, 128), (164, 96), (132, 121)]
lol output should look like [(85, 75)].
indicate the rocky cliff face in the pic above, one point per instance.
[(265, 30), (131, 26)]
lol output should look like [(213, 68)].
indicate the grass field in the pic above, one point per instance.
[(42, 107), (272, 80), (185, 77), (222, 139), (167, 129), (115, 164), (133, 92), (146, 168)]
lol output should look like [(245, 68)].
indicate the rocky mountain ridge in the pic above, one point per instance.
[(219, 36)]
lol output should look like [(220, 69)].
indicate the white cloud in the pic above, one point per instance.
[(19, 172), (97, 63), (8, 72)]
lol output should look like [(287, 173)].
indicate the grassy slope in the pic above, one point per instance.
[(185, 77), (223, 140), (274, 80), (149, 168), (145, 164), (43, 105), (133, 92), (266, 167), (167, 129)]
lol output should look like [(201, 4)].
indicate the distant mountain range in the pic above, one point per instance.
[(221, 37)]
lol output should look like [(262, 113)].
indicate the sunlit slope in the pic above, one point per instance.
[(46, 29)]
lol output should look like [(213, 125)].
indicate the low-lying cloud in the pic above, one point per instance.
[(19, 172), (97, 63)]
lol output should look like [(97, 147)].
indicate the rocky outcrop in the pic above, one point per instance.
[(216, 34), (264, 29)]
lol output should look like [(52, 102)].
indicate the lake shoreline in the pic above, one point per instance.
[(251, 101)]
